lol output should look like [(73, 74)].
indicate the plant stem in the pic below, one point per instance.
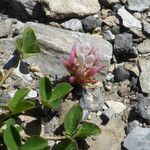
[(56, 138), (9, 72)]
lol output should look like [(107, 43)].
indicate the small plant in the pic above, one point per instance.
[(26, 46), (14, 141), (75, 129), (52, 98), (83, 65), (18, 104)]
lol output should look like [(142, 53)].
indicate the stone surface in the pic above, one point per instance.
[(69, 8), (107, 35), (138, 5), (73, 24), (5, 28), (146, 27), (143, 108), (128, 19), (90, 23), (144, 47), (93, 99), (121, 74), (118, 107), (111, 136), (42, 10), (57, 42), (144, 75), (138, 139), (123, 41)]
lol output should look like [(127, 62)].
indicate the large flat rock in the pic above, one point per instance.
[(56, 43), (44, 9), (67, 8), (145, 74)]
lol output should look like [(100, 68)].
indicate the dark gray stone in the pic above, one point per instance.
[(138, 139), (146, 27), (121, 74), (90, 23), (123, 41), (143, 108)]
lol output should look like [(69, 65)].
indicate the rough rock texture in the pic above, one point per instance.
[(129, 20), (146, 27), (56, 43), (138, 139), (143, 108), (37, 9), (138, 5), (144, 75), (69, 8), (112, 134), (144, 47)]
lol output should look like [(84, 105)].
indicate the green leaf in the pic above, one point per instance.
[(67, 145), (27, 45), (87, 129), (45, 89), (12, 138), (72, 119), (35, 143), (60, 91), (17, 104), (23, 106), (55, 104), (10, 121)]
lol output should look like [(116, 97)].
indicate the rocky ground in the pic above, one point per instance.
[(120, 101)]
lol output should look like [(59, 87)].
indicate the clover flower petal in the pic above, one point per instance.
[(83, 64)]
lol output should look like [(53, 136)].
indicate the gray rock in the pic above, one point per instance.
[(108, 35), (138, 139), (111, 137), (5, 27), (138, 5), (118, 107), (143, 108), (90, 23), (123, 41), (144, 75), (121, 74), (107, 115), (133, 124), (146, 27), (73, 24), (70, 8), (93, 99), (144, 47), (56, 42), (41, 10), (129, 20)]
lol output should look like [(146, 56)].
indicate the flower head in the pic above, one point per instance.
[(83, 64)]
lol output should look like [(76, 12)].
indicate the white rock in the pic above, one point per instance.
[(32, 94), (73, 24), (128, 19), (69, 8), (118, 107)]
